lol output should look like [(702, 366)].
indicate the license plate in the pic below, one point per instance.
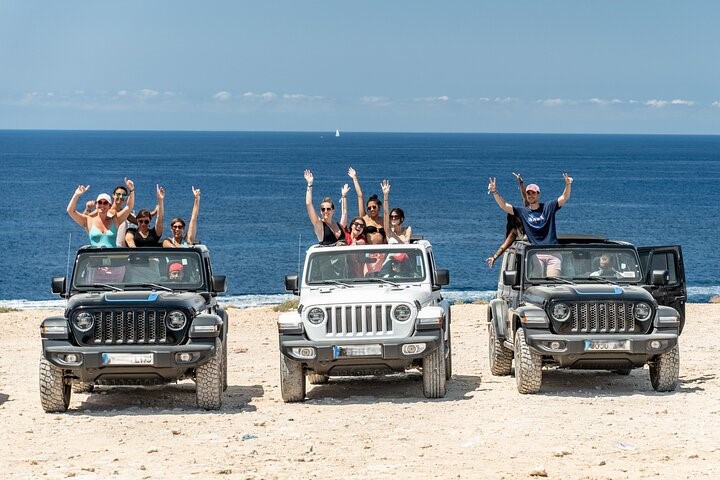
[(127, 359), (357, 351), (607, 345)]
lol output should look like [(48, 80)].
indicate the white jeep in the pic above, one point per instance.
[(366, 310)]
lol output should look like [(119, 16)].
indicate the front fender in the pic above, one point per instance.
[(532, 317), (54, 328), (206, 326), (498, 314)]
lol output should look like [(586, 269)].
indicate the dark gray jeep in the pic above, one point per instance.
[(587, 303), (136, 317)]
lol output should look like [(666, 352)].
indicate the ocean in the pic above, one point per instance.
[(645, 189)]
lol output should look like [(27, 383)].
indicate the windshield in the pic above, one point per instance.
[(364, 265), (586, 263), (140, 268)]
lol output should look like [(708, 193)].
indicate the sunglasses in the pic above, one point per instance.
[(103, 202), (177, 227), (357, 224), (121, 195), (143, 221), (324, 209), (533, 192), (394, 216), (372, 207)]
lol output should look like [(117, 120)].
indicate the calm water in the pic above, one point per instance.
[(644, 189)]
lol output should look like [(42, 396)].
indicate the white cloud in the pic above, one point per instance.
[(716, 103), (656, 103), (222, 96), (556, 102), (678, 101), (147, 93), (376, 101), (504, 100)]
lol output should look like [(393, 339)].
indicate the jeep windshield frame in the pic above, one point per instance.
[(361, 265), (124, 269), (583, 263)]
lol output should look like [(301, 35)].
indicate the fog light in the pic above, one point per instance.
[(655, 344), (413, 348), (303, 352), (71, 358), (555, 345), (185, 357)]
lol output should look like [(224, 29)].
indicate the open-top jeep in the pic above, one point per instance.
[(366, 310), (606, 309), (136, 316)]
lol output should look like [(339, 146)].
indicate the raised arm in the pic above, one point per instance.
[(358, 190), (192, 226), (79, 218), (343, 205), (566, 192), (385, 187), (123, 214), (521, 184), (508, 241), (504, 206), (312, 214), (160, 191)]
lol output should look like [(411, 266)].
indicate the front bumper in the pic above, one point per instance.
[(391, 356), (647, 345)]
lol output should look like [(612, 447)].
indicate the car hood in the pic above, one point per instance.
[(582, 292), (374, 293), (137, 299)]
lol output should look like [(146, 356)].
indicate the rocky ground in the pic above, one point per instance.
[(582, 425)]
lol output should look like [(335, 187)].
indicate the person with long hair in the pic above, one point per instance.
[(179, 237), (143, 235), (327, 231), (370, 211), (393, 221)]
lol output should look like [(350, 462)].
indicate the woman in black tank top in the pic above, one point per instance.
[(327, 231)]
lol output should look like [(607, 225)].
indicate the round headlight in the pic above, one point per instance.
[(402, 313), (316, 315), (642, 311), (561, 312), (176, 320), (84, 321)]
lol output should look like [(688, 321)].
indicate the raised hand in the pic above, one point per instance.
[(160, 192), (308, 177), (130, 184), (491, 186), (518, 177), (196, 192), (344, 190), (568, 179), (351, 173), (81, 189), (385, 186)]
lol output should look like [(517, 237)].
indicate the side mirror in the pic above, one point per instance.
[(219, 283), (510, 278), (442, 277), (58, 285), (660, 277), (291, 284)]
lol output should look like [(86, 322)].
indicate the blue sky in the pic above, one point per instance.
[(453, 66)]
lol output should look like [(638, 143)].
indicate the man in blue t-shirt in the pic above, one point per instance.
[(538, 219)]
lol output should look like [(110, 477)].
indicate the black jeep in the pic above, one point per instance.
[(587, 303), (143, 316)]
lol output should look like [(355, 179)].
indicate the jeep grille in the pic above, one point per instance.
[(129, 327), (359, 320), (602, 317)]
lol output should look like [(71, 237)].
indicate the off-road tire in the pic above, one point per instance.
[(528, 365), (448, 355), (500, 357), (82, 387), (665, 370), (292, 380), (55, 390), (209, 380), (315, 379), (433, 373)]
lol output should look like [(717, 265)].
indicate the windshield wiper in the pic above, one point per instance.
[(333, 282), (377, 280), (149, 285), (554, 279), (600, 279), (105, 285)]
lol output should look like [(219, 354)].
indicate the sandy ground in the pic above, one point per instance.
[(582, 425)]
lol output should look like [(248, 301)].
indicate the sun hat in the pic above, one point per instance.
[(532, 188)]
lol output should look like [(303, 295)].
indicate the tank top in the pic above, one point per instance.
[(329, 237), (103, 239), (152, 240)]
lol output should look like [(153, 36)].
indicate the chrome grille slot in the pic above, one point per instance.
[(119, 327), (359, 320), (602, 317)]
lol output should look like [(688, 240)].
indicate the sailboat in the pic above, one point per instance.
[(337, 133)]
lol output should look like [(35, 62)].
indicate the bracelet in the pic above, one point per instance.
[(130, 191), (309, 185)]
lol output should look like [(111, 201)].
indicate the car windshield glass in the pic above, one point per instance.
[(618, 265), (138, 270), (357, 264)]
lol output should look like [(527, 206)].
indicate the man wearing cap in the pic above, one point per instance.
[(538, 219), (176, 272)]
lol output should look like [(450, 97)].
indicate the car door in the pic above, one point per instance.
[(668, 258)]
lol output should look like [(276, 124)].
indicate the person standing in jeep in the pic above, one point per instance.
[(538, 219)]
